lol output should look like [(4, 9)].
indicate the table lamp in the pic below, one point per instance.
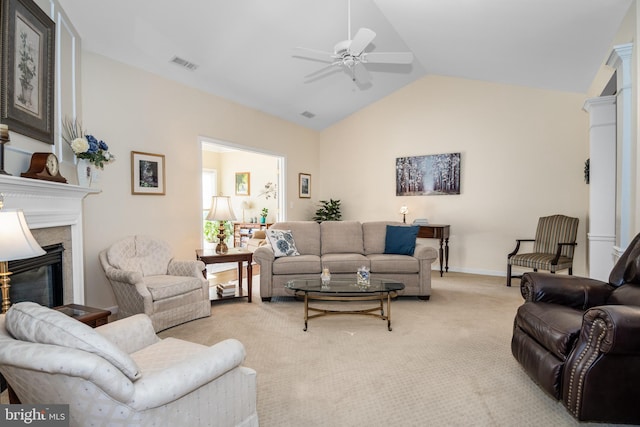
[(404, 210), (245, 205), (16, 242), (221, 211)]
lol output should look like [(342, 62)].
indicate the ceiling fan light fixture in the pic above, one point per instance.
[(351, 55)]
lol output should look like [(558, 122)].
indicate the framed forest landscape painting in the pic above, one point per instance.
[(147, 173), (430, 175), (27, 76)]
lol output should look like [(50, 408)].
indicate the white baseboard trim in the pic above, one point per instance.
[(481, 272)]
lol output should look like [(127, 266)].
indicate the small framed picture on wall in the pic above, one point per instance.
[(304, 185), (147, 173), (243, 184)]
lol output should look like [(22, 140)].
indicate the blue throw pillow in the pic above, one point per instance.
[(401, 240)]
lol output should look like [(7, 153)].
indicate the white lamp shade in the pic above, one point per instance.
[(221, 209), (16, 240), (404, 210), (246, 204)]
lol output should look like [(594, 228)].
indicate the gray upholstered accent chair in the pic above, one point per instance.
[(146, 279), (553, 246), (122, 373)]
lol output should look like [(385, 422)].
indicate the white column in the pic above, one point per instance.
[(602, 185), (620, 59)]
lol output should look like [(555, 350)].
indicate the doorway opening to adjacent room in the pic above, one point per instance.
[(253, 179)]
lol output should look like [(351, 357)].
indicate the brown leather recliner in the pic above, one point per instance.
[(579, 339)]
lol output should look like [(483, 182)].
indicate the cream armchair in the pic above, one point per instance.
[(146, 279), (122, 373)]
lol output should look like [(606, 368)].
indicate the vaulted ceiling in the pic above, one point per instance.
[(244, 49)]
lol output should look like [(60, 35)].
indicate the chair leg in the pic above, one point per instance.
[(570, 271), (509, 275)]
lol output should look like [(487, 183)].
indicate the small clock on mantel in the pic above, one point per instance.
[(44, 166)]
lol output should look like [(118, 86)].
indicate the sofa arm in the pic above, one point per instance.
[(161, 387), (571, 291), (124, 276), (189, 268), (617, 325), (600, 375), (264, 254), (130, 334), (425, 252)]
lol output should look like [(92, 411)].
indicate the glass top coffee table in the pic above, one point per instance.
[(346, 290)]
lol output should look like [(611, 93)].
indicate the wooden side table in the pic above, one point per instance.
[(441, 232), (239, 255), (93, 317)]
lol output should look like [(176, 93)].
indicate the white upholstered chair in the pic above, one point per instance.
[(122, 373), (146, 279)]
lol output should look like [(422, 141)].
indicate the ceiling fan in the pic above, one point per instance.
[(351, 56)]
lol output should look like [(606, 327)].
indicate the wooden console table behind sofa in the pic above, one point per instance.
[(438, 231)]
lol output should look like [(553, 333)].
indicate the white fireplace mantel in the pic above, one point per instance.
[(51, 204)]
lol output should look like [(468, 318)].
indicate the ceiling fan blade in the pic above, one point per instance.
[(363, 37), (387, 57), (360, 73), (327, 72), (321, 70), (313, 54)]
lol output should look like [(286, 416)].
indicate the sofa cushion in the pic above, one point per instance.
[(401, 240), (282, 243), (162, 286), (122, 255), (627, 294), (341, 237), (374, 234), (305, 233), (344, 263), (554, 326), (389, 263), (28, 321), (154, 255), (302, 264), (141, 254)]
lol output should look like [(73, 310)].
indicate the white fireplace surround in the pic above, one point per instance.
[(51, 204)]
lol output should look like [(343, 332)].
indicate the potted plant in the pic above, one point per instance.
[(328, 211), (211, 229), (263, 215)]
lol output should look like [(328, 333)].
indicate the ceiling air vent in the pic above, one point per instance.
[(184, 63), (308, 114)]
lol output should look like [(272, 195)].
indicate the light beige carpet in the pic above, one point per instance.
[(447, 361)]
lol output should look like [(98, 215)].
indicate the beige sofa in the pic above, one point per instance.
[(343, 247)]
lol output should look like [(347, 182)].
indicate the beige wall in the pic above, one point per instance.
[(523, 152), (134, 110), (522, 149), (262, 169)]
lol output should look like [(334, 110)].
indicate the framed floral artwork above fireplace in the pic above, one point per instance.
[(27, 77), (147, 173)]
